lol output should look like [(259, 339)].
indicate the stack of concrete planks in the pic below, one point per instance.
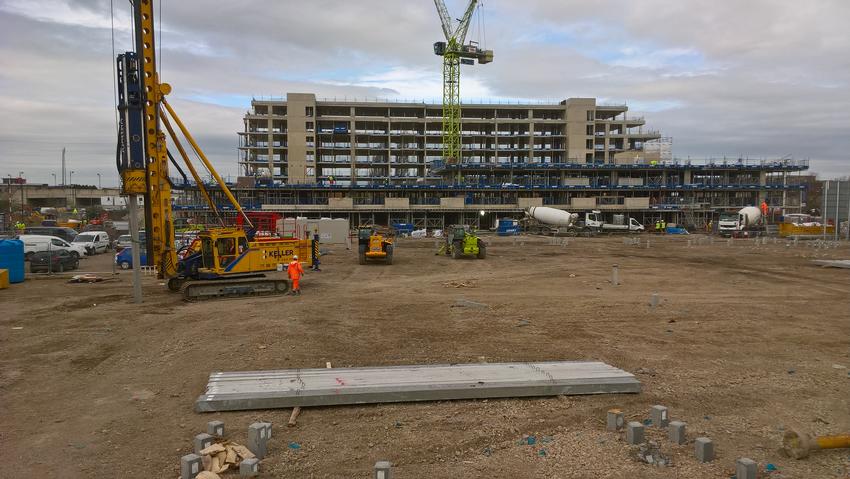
[(233, 391), (837, 263)]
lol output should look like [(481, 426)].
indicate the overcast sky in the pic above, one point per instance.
[(761, 78)]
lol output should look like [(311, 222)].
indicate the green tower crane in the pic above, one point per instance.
[(455, 52)]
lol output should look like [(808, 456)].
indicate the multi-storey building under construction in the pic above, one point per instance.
[(380, 162)]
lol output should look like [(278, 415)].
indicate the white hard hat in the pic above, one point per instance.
[(295, 256)]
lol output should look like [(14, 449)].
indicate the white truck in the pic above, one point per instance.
[(560, 222), (619, 224), (746, 222)]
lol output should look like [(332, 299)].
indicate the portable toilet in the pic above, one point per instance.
[(12, 259)]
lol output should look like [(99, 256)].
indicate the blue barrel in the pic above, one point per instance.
[(12, 258)]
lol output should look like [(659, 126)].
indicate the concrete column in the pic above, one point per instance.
[(351, 138), (270, 139), (687, 174), (530, 135)]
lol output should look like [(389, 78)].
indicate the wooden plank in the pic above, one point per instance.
[(233, 391)]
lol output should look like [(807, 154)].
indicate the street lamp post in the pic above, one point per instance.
[(54, 178), (21, 181), (10, 197), (98, 181), (73, 190)]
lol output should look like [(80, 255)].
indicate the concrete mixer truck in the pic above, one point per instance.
[(744, 223), (545, 220)]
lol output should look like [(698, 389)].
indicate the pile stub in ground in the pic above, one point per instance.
[(233, 391)]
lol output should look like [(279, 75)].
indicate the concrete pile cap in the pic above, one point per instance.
[(704, 449)]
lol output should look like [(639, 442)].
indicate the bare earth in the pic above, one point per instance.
[(746, 343)]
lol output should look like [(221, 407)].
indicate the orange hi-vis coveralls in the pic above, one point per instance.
[(295, 273)]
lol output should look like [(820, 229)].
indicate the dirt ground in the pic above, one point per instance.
[(747, 342)]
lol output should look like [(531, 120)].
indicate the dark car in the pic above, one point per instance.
[(67, 234), (55, 261)]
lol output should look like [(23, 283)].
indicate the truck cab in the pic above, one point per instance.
[(728, 223)]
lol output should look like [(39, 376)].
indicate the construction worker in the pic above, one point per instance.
[(663, 226), (295, 273), (658, 226)]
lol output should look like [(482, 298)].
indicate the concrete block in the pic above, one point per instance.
[(202, 441), (704, 449), (268, 427), (258, 439), (746, 468), (383, 470), (615, 420), (190, 466), (676, 432), (215, 428), (634, 433), (249, 467), (659, 416)]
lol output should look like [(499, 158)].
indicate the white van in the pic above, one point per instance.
[(94, 241), (38, 243)]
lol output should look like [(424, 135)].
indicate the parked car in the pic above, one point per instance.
[(38, 243), (126, 241), (124, 258), (123, 241), (53, 261), (67, 234), (94, 241)]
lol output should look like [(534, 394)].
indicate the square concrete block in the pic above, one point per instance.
[(249, 467), (615, 420), (704, 449), (659, 416), (258, 439), (676, 432), (190, 466), (634, 433), (383, 470), (746, 468), (202, 441), (215, 428)]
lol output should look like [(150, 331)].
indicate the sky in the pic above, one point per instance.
[(757, 79)]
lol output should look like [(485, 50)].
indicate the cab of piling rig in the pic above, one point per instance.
[(222, 252)]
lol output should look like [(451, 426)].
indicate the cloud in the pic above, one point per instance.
[(760, 78)]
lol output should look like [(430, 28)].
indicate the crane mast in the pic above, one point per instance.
[(455, 52)]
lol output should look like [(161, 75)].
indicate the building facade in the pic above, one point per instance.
[(302, 141)]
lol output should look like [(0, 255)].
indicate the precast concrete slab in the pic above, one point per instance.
[(235, 391)]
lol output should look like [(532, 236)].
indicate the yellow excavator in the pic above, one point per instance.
[(226, 261)]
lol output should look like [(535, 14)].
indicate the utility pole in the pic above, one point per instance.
[(98, 181)]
